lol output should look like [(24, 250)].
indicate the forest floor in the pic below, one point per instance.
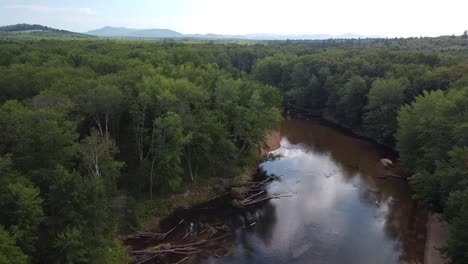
[(437, 234)]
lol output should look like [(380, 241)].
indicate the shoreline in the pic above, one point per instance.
[(436, 237), (327, 120), (436, 229), (198, 194)]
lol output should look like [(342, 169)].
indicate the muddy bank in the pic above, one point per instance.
[(436, 238), (273, 143), (200, 230)]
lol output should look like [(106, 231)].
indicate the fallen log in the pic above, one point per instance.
[(182, 249), (191, 236), (151, 235), (267, 197), (182, 260)]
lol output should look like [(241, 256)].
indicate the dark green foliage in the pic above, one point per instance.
[(458, 230), (168, 145), (351, 102), (21, 214), (9, 252), (82, 223), (88, 127), (384, 101), (20, 206), (339, 84), (430, 127), (38, 139)]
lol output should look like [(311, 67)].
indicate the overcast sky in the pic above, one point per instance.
[(390, 18)]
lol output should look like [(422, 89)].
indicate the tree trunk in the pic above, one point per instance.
[(107, 126), (189, 162), (151, 176), (98, 123)]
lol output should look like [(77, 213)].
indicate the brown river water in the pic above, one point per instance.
[(339, 213)]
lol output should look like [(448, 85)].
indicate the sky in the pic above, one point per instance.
[(391, 18)]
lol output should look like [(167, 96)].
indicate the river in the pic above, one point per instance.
[(339, 213)]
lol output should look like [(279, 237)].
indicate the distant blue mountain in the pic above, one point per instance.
[(307, 37), (134, 33), (122, 32)]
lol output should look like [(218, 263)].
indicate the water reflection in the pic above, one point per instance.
[(341, 213)]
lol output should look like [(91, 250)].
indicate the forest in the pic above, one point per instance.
[(96, 133)]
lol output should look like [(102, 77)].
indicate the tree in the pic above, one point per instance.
[(39, 139), (18, 82), (167, 151), (423, 134), (432, 142), (138, 113), (430, 127), (457, 246), (9, 252), (351, 102), (48, 100), (269, 70), (104, 105), (21, 213), (384, 100), (81, 222), (97, 154), (20, 206)]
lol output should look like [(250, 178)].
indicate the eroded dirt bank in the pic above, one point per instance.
[(437, 235)]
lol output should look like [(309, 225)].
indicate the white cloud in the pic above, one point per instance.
[(52, 10)]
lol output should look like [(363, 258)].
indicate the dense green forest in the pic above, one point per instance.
[(90, 129)]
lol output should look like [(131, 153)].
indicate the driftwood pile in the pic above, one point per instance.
[(250, 193), (192, 235), (175, 246)]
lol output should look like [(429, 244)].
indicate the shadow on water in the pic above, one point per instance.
[(341, 213)]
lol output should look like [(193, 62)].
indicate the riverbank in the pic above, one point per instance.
[(345, 151), (328, 120), (437, 228), (437, 235), (151, 212)]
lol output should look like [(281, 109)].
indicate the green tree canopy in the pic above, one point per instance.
[(384, 100)]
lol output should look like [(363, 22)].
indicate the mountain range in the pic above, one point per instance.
[(122, 32)]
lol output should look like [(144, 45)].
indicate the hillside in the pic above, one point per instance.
[(134, 33), (38, 30)]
